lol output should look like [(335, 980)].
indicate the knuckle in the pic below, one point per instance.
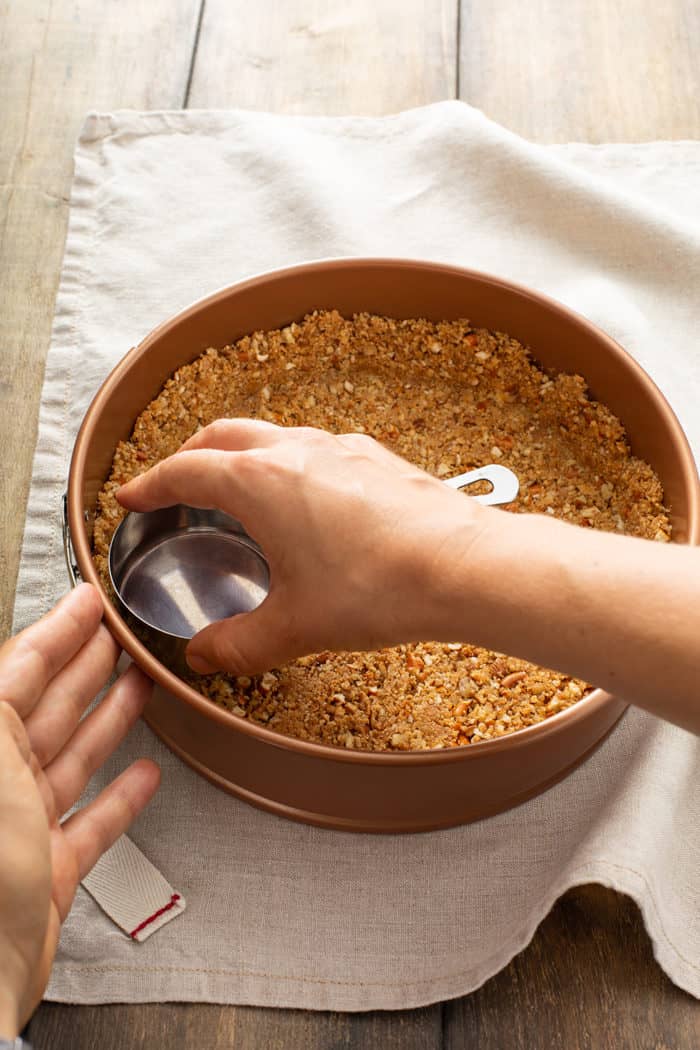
[(274, 466), (308, 437), (218, 429), (245, 466), (359, 442), (312, 433)]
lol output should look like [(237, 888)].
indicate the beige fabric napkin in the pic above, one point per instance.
[(169, 206)]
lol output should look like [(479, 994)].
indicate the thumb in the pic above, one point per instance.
[(248, 643)]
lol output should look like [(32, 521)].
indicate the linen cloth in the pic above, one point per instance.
[(168, 206)]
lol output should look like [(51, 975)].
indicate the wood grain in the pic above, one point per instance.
[(584, 70), (57, 61), (588, 981), (315, 56), (233, 1028)]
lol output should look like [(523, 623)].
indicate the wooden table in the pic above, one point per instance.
[(583, 69)]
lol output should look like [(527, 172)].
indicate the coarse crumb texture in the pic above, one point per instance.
[(448, 397)]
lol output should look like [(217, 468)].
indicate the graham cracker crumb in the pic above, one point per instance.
[(449, 398)]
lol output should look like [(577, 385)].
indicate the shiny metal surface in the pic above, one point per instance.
[(505, 483), (178, 569), (71, 564)]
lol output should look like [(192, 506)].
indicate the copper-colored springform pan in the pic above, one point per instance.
[(338, 788)]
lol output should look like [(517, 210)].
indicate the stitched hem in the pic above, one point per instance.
[(94, 983)]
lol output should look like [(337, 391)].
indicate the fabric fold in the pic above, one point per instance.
[(167, 207)]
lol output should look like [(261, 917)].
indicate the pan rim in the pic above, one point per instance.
[(564, 720)]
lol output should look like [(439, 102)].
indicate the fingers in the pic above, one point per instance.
[(241, 435), (67, 697), (214, 468), (91, 831), (201, 478), (245, 644), (210, 468), (235, 435), (96, 738), (30, 660)]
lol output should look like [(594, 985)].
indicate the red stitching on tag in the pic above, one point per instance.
[(151, 918)]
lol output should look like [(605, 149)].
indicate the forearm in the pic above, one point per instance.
[(620, 613)]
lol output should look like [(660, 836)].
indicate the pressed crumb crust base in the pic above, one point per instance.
[(448, 397)]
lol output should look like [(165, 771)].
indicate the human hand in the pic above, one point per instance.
[(350, 531), (49, 674), (366, 551)]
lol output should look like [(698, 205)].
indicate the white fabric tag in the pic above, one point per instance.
[(132, 892)]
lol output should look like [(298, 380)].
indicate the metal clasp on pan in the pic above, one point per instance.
[(71, 564)]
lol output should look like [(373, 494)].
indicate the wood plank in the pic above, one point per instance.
[(367, 57), (229, 1028), (296, 57), (58, 60), (588, 981), (584, 70), (306, 56)]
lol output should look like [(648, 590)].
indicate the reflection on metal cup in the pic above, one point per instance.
[(178, 569)]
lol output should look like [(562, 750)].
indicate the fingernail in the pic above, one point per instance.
[(199, 664)]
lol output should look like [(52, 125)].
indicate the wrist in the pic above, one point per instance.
[(449, 568), (519, 586), (482, 576)]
